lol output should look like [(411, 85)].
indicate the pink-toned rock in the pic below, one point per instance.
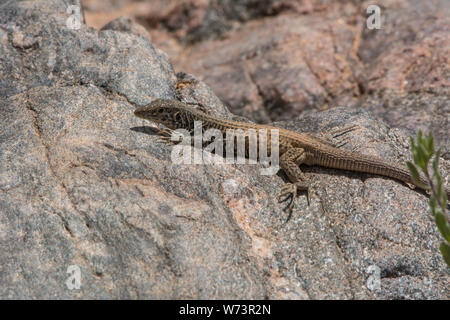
[(410, 53), (84, 182), (286, 64)]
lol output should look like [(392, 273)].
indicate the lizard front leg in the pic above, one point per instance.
[(169, 136), (289, 163)]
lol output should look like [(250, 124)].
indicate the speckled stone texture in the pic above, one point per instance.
[(84, 182)]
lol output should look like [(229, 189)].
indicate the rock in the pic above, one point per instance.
[(427, 111), (129, 25), (256, 65), (85, 183), (410, 53), (49, 53), (275, 68)]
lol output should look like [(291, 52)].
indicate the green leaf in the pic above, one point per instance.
[(433, 203), (443, 226), (415, 175), (413, 170), (419, 136), (415, 155), (438, 179), (443, 198), (430, 144), (445, 250), (439, 190), (425, 153), (420, 158), (436, 161), (412, 142), (423, 150)]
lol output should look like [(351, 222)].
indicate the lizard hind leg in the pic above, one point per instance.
[(289, 163)]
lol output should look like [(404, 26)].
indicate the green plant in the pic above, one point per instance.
[(423, 151)]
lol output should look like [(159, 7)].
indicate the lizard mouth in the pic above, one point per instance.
[(153, 114)]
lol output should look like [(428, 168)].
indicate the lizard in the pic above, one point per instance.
[(295, 148)]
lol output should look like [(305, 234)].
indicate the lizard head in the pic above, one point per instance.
[(166, 112)]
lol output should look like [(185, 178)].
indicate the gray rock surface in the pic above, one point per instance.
[(83, 182)]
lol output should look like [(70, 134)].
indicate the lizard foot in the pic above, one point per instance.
[(331, 136), (289, 193), (339, 132), (166, 136)]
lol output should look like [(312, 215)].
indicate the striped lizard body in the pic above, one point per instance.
[(294, 148)]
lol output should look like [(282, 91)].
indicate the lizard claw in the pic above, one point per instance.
[(165, 140), (339, 132), (166, 132), (331, 136), (166, 136), (289, 192)]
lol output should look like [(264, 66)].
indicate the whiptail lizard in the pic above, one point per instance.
[(294, 148)]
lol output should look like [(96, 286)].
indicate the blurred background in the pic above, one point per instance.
[(272, 60)]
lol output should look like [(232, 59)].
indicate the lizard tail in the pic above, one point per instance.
[(341, 159)]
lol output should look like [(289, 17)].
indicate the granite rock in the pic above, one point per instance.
[(85, 183)]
